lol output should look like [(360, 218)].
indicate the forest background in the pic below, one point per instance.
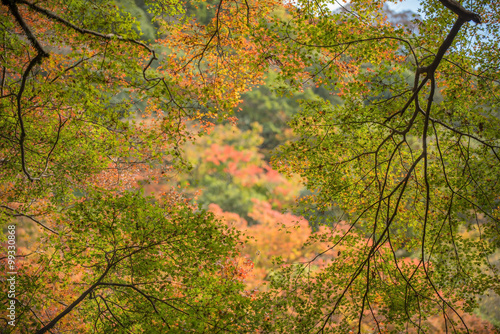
[(232, 167)]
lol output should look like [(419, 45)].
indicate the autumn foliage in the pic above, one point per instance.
[(143, 205)]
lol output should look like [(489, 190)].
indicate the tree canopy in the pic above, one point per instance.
[(395, 138), (411, 157)]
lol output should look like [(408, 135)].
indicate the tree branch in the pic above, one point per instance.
[(59, 19), (15, 12), (68, 309), (18, 214), (41, 53), (463, 13), (463, 17)]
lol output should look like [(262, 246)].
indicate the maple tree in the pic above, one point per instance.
[(91, 110), (411, 157), (406, 150)]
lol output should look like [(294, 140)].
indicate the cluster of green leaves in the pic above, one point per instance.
[(139, 10), (142, 266), (273, 110)]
